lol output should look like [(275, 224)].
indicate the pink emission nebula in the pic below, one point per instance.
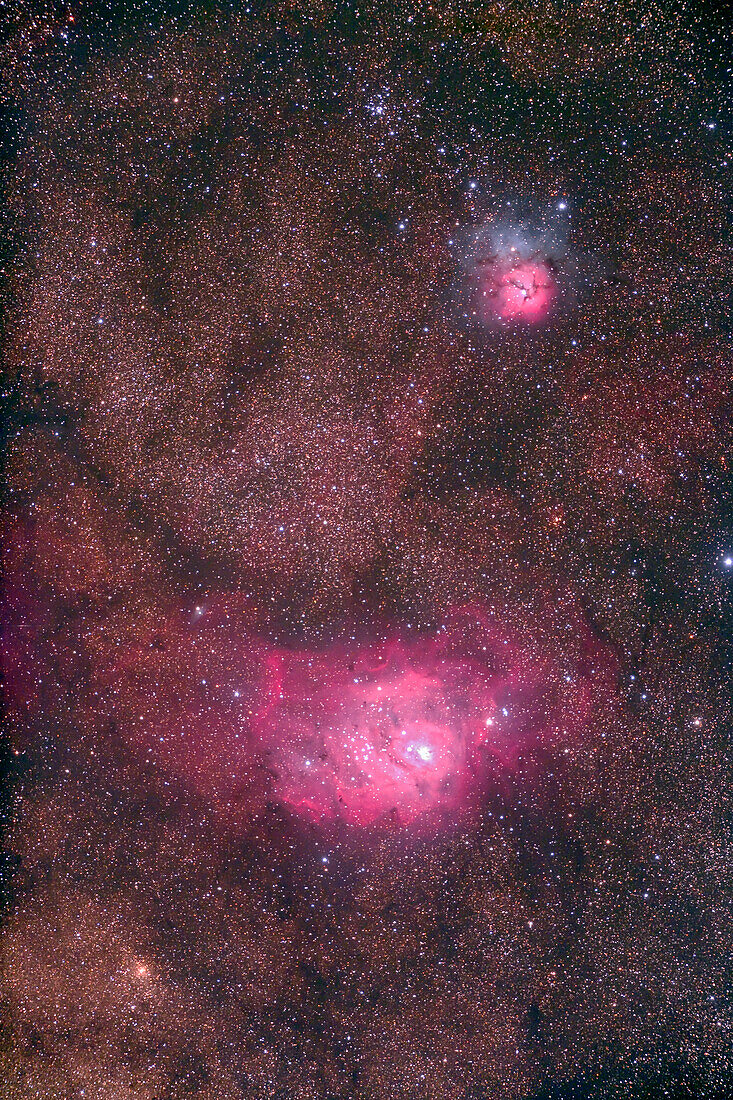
[(405, 728), (510, 290), (395, 729)]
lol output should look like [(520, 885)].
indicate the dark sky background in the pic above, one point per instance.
[(368, 551)]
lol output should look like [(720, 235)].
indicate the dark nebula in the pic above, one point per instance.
[(368, 551)]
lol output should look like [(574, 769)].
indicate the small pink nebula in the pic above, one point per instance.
[(512, 290)]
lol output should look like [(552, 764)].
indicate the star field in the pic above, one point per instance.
[(368, 551)]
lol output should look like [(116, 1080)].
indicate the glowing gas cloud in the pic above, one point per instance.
[(395, 728), (510, 289), (517, 264), (405, 727)]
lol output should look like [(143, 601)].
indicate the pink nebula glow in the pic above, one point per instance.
[(404, 729), (514, 289), (407, 728)]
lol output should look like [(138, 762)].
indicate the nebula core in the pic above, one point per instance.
[(508, 290)]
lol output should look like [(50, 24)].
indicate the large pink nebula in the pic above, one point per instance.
[(400, 727), (406, 728)]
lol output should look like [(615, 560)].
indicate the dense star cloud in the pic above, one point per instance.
[(367, 552)]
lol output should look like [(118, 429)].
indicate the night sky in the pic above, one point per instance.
[(368, 551)]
